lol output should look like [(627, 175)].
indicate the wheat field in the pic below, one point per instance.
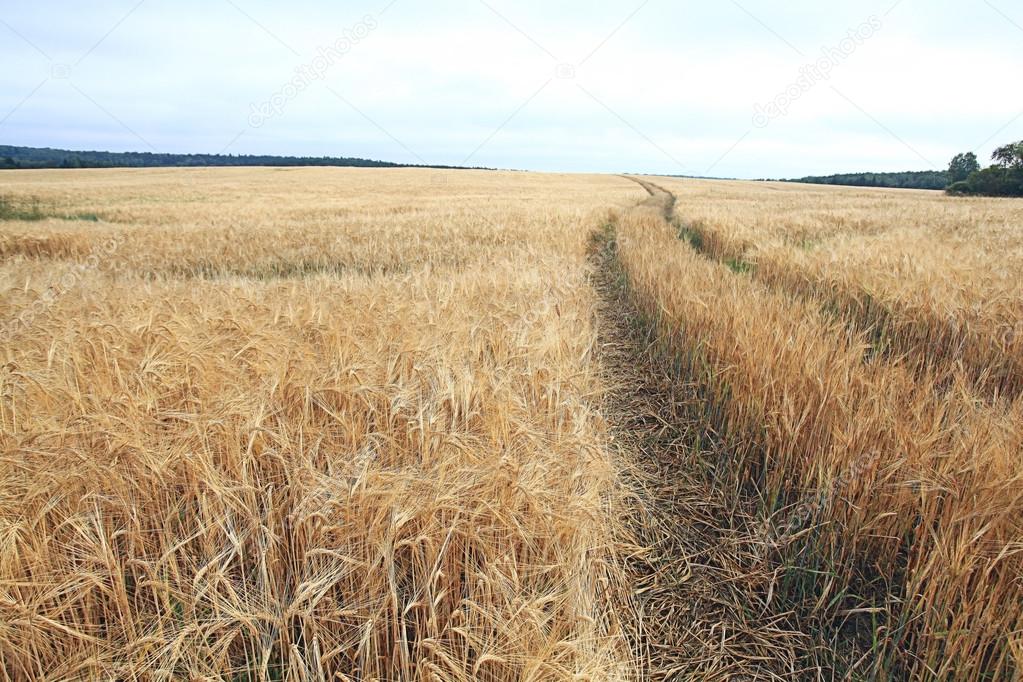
[(892, 480), (343, 430), (312, 424)]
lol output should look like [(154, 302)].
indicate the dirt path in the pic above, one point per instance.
[(703, 589), (660, 198)]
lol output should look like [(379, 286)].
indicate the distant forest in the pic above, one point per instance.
[(964, 177), (32, 157), (905, 180)]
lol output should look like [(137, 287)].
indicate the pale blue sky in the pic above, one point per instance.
[(659, 86)]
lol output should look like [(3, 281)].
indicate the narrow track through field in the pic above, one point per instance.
[(703, 589)]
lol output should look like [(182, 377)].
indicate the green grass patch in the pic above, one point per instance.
[(21, 210), (692, 236), (740, 266), (32, 209)]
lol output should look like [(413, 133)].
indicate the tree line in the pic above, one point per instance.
[(904, 180), (1004, 178), (964, 177), (34, 157)]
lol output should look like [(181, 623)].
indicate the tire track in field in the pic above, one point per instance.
[(703, 590), (878, 324), (660, 199)]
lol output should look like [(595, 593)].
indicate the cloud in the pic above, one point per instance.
[(577, 86)]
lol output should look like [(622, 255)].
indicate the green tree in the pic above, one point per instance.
[(962, 166), (1010, 156)]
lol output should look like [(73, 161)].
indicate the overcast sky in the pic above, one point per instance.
[(751, 88)]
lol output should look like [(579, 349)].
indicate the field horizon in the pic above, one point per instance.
[(341, 423)]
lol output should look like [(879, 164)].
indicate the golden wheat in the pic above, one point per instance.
[(928, 277), (894, 503), (300, 424), (220, 462)]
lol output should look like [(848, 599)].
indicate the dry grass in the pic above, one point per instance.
[(703, 591), (930, 279), (898, 512), (373, 472), (310, 424)]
